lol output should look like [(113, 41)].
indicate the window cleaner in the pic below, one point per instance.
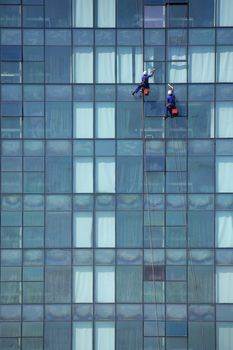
[(144, 85), (171, 103)]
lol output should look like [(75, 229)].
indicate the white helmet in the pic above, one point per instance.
[(169, 92), (145, 72)]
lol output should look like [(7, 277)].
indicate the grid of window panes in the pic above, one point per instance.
[(116, 225)]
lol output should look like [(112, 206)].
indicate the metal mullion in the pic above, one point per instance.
[(215, 177), (72, 177), (142, 136), (22, 169), (93, 248), (116, 180), (44, 155)]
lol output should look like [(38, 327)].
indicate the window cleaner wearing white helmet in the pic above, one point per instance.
[(144, 81), (171, 102)]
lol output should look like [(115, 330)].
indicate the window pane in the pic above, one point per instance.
[(106, 13), (201, 13), (201, 334), (82, 336), (105, 123), (83, 175), (201, 284), (129, 120), (58, 285), (129, 14), (83, 58), (201, 60), (201, 229), (57, 335), (58, 120), (105, 65), (10, 16), (129, 335), (201, 174), (105, 229), (58, 16), (105, 174), (224, 122), (104, 336), (58, 230), (105, 284), (83, 284), (154, 16), (129, 229), (177, 72), (177, 15), (201, 119), (224, 228), (129, 174), (83, 120), (83, 229), (124, 64), (129, 284), (58, 65), (224, 11), (224, 64), (224, 284), (224, 335), (82, 13), (58, 174), (224, 174)]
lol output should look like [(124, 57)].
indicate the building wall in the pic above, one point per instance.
[(116, 225)]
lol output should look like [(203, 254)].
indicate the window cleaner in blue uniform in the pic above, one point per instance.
[(171, 104), (144, 81)]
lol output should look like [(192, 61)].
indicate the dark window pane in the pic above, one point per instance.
[(201, 284), (129, 174), (58, 230), (57, 16), (129, 229), (201, 334), (11, 53), (129, 284), (129, 335), (10, 16), (201, 36), (201, 13), (57, 67), (201, 174), (58, 119), (58, 285), (57, 335), (33, 16), (129, 13), (128, 120), (177, 15), (201, 229), (58, 175), (154, 273)]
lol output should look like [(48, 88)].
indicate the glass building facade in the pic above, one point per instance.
[(116, 225)]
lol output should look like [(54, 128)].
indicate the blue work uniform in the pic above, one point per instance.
[(171, 103), (144, 82)]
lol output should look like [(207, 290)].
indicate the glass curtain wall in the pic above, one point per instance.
[(116, 228)]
